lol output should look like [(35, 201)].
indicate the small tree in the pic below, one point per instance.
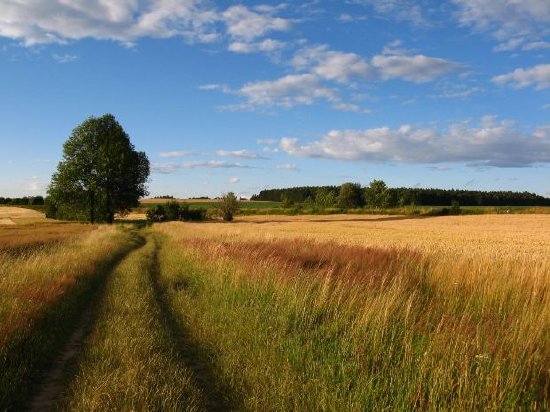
[(351, 196), (228, 206)]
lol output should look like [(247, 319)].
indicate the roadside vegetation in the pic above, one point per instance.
[(43, 291)]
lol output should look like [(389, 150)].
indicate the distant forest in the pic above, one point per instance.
[(22, 201), (403, 196)]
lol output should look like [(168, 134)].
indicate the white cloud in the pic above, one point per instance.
[(490, 143), (418, 68), (286, 166), (538, 76), (222, 87), (331, 65), (266, 141), (266, 46), (287, 91), (537, 45), (65, 58), (175, 153), (391, 63), (233, 180), (243, 154), (511, 22), (400, 10), (247, 25), (166, 168), (59, 21)]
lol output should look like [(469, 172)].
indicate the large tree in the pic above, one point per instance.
[(100, 174)]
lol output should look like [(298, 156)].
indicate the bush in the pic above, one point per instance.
[(174, 211), (228, 206)]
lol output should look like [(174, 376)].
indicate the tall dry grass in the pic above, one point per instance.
[(42, 293), (429, 316)]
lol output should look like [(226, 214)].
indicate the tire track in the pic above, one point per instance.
[(215, 395), (51, 386)]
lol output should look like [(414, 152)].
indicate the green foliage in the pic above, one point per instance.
[(326, 198), (351, 196), (286, 201), (174, 211), (228, 206), (101, 174), (406, 196), (377, 194), (22, 201)]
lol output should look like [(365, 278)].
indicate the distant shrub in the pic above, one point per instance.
[(228, 206), (175, 211)]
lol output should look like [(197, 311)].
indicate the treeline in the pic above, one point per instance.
[(378, 195), (22, 201)]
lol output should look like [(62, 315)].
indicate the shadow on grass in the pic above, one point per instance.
[(216, 395)]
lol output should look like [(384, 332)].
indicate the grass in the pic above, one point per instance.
[(42, 294), (339, 312), (131, 359), (296, 324)]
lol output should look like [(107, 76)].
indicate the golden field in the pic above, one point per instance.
[(339, 312), (377, 312)]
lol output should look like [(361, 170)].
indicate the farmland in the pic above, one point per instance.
[(309, 312)]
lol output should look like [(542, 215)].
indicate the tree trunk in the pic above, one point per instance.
[(92, 207)]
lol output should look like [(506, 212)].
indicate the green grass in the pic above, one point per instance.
[(131, 359)]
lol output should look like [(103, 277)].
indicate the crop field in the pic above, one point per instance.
[(336, 313)]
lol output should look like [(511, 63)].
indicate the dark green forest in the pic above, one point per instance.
[(402, 196)]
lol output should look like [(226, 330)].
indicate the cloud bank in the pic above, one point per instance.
[(489, 143)]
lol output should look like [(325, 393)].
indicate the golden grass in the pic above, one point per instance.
[(11, 212), (512, 236), (373, 312)]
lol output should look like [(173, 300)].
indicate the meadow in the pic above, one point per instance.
[(339, 312)]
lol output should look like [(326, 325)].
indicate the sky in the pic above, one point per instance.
[(245, 95)]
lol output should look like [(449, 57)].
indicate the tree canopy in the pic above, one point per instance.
[(100, 174)]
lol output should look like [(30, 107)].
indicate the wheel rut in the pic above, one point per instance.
[(215, 396), (50, 387)]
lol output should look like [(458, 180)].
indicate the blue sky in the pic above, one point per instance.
[(240, 96)]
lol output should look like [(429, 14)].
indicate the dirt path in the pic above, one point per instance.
[(51, 386)]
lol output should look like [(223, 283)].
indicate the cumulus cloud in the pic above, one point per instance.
[(247, 25), (390, 64), (287, 91), (418, 68), (489, 143), (58, 21), (266, 45), (233, 180), (243, 154), (511, 22), (538, 76), (329, 64)]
